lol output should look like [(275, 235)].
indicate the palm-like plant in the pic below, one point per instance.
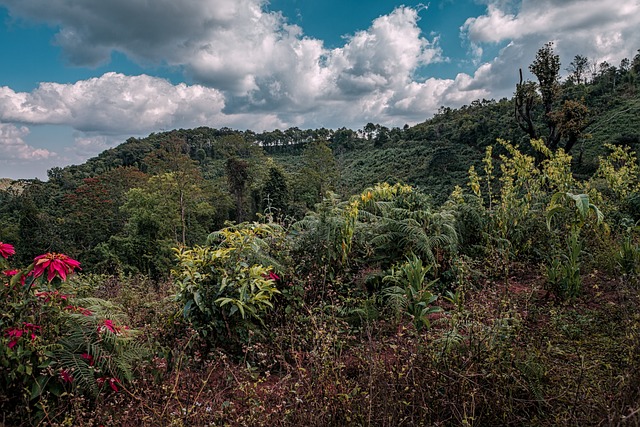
[(410, 293), (96, 350), (406, 225), (563, 275)]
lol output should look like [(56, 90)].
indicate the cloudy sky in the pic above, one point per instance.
[(80, 76)]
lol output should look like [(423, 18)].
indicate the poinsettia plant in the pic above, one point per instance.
[(52, 342)]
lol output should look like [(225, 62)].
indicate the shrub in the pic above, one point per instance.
[(54, 343), (409, 293), (223, 288)]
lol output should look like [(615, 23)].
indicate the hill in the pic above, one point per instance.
[(238, 175)]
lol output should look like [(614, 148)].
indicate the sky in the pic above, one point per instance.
[(80, 76)]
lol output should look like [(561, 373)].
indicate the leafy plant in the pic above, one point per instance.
[(628, 256), (409, 292), (53, 342), (404, 223), (564, 273), (222, 287)]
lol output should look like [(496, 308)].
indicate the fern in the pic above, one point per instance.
[(88, 350), (409, 293)]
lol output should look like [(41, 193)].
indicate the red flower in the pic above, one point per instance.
[(271, 276), (112, 382), (14, 334), (88, 358), (30, 327), (6, 250), (49, 295), (10, 273), (57, 264), (108, 325), (66, 376)]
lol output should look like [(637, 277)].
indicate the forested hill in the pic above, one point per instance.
[(176, 187)]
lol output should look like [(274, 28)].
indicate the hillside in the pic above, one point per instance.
[(337, 277)]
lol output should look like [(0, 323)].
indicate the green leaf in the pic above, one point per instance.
[(38, 386)]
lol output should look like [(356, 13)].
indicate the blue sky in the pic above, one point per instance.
[(80, 77)]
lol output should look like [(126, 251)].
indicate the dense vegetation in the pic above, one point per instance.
[(480, 268)]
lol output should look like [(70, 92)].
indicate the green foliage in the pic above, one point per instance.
[(564, 274), (317, 175), (628, 256), (275, 194), (323, 239), (54, 344), (409, 293), (223, 287), (407, 224), (582, 209)]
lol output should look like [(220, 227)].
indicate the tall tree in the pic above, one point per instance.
[(563, 119), (578, 69), (172, 158), (238, 177), (318, 174), (275, 193)]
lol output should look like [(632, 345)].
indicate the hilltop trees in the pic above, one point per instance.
[(578, 69), (564, 119)]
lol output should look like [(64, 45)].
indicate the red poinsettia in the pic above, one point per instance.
[(56, 264), (88, 358), (15, 334), (108, 325), (271, 276), (111, 381), (66, 376), (6, 250), (51, 295)]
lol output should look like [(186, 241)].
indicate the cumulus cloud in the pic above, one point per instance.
[(113, 103), (162, 30), (254, 69), (554, 18), (13, 147), (590, 28)]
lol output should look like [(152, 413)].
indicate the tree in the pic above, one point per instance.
[(275, 193), (546, 68), (563, 119), (635, 64), (578, 69), (171, 158), (525, 99), (318, 174), (238, 178), (573, 119)]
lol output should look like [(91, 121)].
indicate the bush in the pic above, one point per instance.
[(54, 343), (223, 288)]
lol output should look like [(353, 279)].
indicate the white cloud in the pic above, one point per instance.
[(113, 103), (162, 30), (85, 146), (592, 28), (256, 71), (600, 29), (14, 148)]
